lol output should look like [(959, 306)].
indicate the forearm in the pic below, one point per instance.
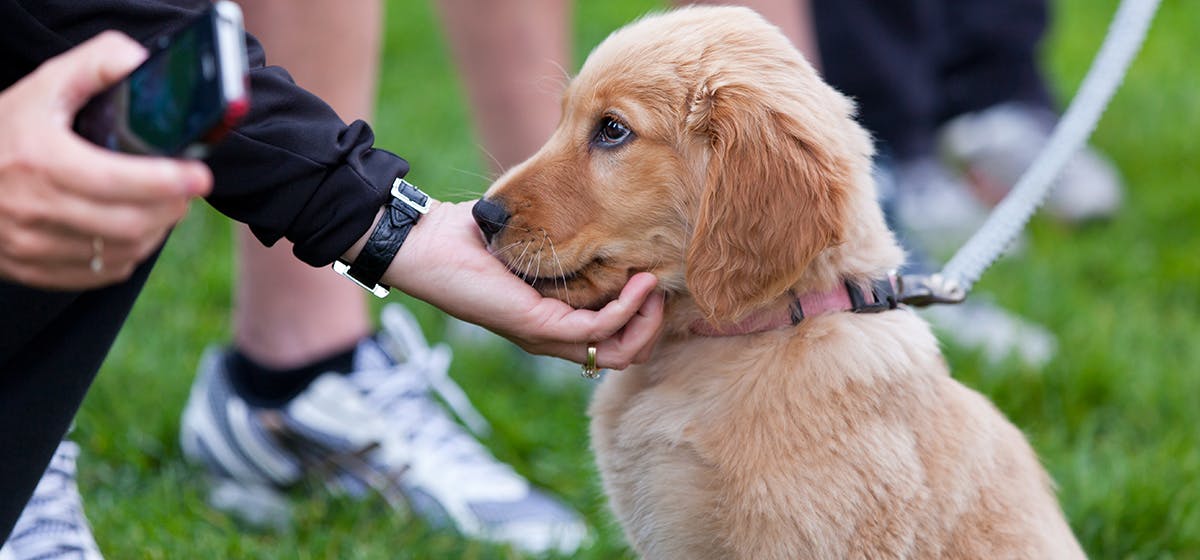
[(291, 169)]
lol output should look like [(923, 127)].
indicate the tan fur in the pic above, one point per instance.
[(746, 177)]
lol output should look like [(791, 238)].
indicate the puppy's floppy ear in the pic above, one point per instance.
[(775, 191)]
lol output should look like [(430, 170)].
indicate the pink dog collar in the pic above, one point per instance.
[(881, 296)]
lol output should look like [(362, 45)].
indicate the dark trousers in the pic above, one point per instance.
[(51, 346), (913, 64)]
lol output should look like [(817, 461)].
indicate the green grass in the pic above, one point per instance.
[(1114, 416)]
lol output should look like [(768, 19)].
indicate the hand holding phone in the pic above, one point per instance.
[(189, 93)]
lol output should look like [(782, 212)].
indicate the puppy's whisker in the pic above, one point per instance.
[(495, 161), (489, 179), (537, 272), (529, 267), (561, 273), (461, 195), (507, 247), (522, 256)]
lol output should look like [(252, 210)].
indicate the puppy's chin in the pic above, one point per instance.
[(590, 288)]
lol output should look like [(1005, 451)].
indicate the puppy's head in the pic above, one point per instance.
[(700, 146)]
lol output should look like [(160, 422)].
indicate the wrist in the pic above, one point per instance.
[(366, 262)]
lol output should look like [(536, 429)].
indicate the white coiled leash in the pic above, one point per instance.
[(1125, 36)]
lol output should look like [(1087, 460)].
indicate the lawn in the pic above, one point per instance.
[(1115, 415)]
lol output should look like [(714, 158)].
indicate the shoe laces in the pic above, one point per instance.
[(52, 524), (401, 392)]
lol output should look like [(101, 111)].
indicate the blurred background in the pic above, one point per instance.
[(1114, 413)]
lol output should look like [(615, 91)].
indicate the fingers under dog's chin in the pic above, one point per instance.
[(591, 298)]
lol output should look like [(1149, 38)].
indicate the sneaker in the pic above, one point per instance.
[(995, 146), (980, 325), (53, 525), (933, 208), (378, 430)]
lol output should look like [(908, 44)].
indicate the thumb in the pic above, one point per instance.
[(92, 66)]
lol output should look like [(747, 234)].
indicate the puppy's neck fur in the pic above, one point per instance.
[(868, 251)]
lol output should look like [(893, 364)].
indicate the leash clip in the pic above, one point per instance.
[(922, 290)]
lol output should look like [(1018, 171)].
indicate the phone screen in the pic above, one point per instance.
[(174, 101), (174, 97)]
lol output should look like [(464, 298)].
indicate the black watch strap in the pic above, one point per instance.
[(407, 205)]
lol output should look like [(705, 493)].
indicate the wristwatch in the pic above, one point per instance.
[(407, 206)]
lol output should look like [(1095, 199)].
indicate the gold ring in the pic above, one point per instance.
[(590, 371), (97, 262)]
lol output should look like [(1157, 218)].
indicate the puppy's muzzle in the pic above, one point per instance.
[(491, 217)]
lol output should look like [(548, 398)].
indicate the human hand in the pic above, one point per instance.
[(445, 262), (73, 215)]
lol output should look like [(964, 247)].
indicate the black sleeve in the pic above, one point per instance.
[(291, 169)]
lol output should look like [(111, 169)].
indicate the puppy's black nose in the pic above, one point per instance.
[(491, 217)]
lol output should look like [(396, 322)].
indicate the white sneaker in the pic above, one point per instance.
[(52, 525), (377, 429), (995, 146), (934, 207), (450, 476)]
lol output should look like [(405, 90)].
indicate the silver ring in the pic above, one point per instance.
[(590, 371), (97, 262)]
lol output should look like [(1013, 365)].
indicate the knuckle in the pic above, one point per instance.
[(21, 160), (177, 210), (146, 248), (127, 270), (23, 245), (132, 230)]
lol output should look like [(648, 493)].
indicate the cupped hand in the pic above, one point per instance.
[(445, 262), (73, 215)]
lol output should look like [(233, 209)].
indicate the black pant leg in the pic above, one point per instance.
[(51, 346), (991, 55), (883, 53)]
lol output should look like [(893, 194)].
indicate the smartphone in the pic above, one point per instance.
[(190, 91)]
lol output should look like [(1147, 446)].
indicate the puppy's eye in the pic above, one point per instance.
[(611, 133)]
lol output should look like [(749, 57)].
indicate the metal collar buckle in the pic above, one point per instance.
[(882, 293), (927, 289)]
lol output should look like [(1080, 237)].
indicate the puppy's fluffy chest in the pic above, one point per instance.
[(827, 433), (814, 380)]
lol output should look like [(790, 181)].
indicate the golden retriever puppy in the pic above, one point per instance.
[(772, 421)]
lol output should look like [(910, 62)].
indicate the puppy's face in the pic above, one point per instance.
[(697, 145), (604, 198)]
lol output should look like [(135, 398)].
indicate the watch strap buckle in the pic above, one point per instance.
[(411, 196), (343, 268)]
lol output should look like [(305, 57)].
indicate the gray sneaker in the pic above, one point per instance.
[(934, 209), (995, 146), (52, 525), (378, 429)]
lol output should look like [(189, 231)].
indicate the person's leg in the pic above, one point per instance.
[(513, 56), (50, 350), (288, 314), (992, 56), (997, 112), (882, 54)]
